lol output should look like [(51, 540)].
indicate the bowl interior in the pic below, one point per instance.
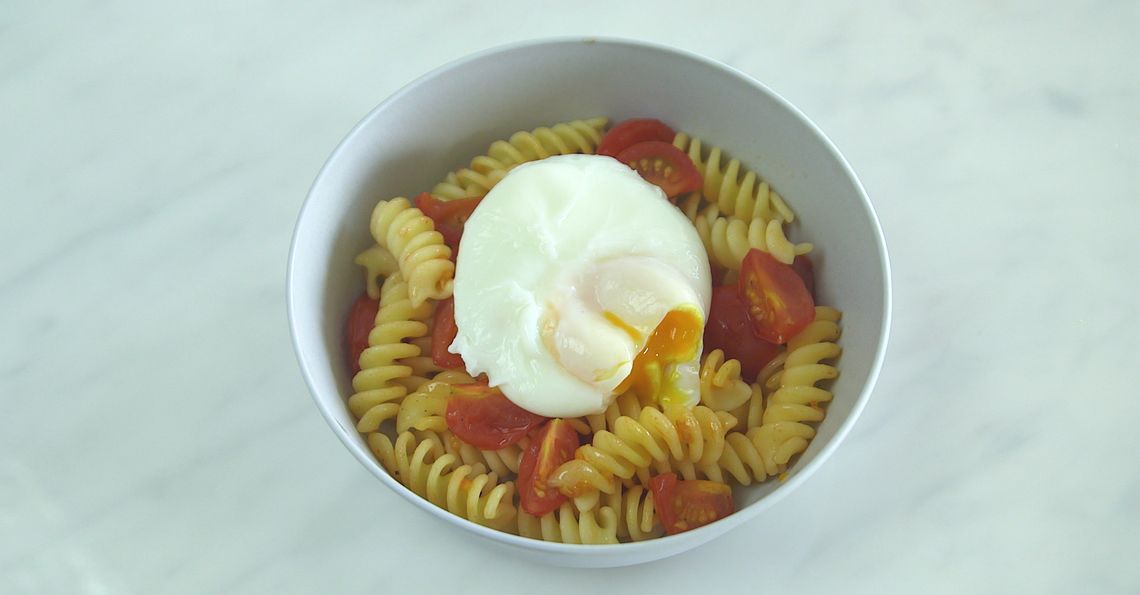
[(439, 122)]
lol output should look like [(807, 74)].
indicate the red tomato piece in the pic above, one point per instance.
[(663, 165), (361, 319), (804, 267), (778, 302), (486, 419), (443, 331), (730, 329), (448, 216), (553, 445), (686, 505), (631, 132)]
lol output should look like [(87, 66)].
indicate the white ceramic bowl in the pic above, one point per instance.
[(438, 122)]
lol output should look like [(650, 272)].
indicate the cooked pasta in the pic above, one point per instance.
[(378, 263), (636, 518), (568, 525), (746, 199), (464, 490), (796, 399), (425, 408), (721, 386), (423, 258), (784, 432), (656, 440), (503, 462), (377, 392), (744, 430), (627, 404), (749, 414), (729, 239), (577, 136), (423, 368)]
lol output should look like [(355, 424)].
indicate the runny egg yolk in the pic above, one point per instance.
[(674, 340)]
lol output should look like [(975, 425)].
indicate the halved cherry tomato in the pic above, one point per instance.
[(631, 132), (805, 268), (443, 331), (730, 329), (553, 445), (664, 165), (778, 302), (361, 319), (448, 215), (486, 419), (685, 505)]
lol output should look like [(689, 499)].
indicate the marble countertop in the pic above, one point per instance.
[(156, 435)]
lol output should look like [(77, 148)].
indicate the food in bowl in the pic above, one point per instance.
[(589, 335)]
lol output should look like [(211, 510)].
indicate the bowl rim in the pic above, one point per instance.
[(700, 534)]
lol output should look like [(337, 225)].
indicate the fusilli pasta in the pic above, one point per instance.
[(503, 462), (568, 525), (627, 404), (746, 199), (424, 260), (721, 386), (377, 395), (425, 408), (577, 136), (636, 518), (728, 239), (657, 440), (378, 263), (784, 432), (464, 490)]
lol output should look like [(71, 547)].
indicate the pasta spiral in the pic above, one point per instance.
[(795, 401), (376, 394), (463, 490), (656, 440), (503, 462), (377, 263), (568, 525), (784, 431), (750, 413), (423, 258), (627, 404), (721, 386), (425, 408), (578, 136), (728, 239), (636, 516), (745, 199)]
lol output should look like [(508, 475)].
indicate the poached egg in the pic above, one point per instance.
[(577, 280)]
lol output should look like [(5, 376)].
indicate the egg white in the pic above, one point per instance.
[(562, 267)]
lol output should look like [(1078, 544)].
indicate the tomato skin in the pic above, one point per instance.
[(551, 446), (448, 216), (633, 131), (778, 301), (443, 332), (685, 505), (361, 319), (729, 329), (663, 165), (805, 268), (485, 418)]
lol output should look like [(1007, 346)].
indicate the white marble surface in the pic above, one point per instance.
[(156, 436)]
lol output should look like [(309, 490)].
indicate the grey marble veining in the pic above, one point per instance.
[(156, 436)]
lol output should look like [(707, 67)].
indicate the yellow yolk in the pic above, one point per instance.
[(618, 322), (674, 340)]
